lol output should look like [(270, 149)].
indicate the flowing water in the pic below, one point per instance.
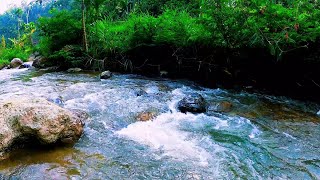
[(263, 137)]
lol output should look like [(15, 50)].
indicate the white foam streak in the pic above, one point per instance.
[(163, 134)]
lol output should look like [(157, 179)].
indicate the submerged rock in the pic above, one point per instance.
[(146, 116), (223, 106), (74, 70), (318, 113), (193, 103), (49, 69), (37, 120), (16, 62), (106, 75)]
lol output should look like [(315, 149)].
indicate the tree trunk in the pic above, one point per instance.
[(85, 41)]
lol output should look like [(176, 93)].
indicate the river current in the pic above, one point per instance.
[(263, 137)]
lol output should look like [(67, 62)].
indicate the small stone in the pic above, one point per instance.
[(146, 116)]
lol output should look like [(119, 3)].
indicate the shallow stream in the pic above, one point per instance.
[(263, 137)]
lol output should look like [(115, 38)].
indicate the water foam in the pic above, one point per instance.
[(6, 74), (163, 134)]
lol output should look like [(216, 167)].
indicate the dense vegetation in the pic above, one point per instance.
[(218, 41)]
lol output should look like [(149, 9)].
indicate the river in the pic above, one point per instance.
[(263, 137)]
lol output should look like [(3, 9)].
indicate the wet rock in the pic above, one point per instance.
[(41, 62), (146, 116), (16, 62), (106, 75), (38, 120), (277, 111), (80, 114), (74, 70), (33, 56), (193, 103), (223, 106)]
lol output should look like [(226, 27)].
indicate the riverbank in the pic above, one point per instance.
[(296, 75)]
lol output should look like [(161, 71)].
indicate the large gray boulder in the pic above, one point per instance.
[(37, 120), (16, 62), (193, 103)]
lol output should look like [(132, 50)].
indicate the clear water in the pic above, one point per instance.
[(263, 137)]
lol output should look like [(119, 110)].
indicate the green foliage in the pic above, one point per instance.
[(3, 63), (119, 26), (10, 53), (280, 26), (58, 31), (175, 28)]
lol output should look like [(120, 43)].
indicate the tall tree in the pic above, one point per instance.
[(85, 40)]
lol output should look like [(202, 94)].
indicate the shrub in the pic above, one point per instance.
[(10, 53), (58, 31), (176, 28)]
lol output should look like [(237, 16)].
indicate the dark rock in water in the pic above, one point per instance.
[(25, 65), (37, 120), (223, 106), (74, 70), (16, 62), (106, 75), (193, 103)]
